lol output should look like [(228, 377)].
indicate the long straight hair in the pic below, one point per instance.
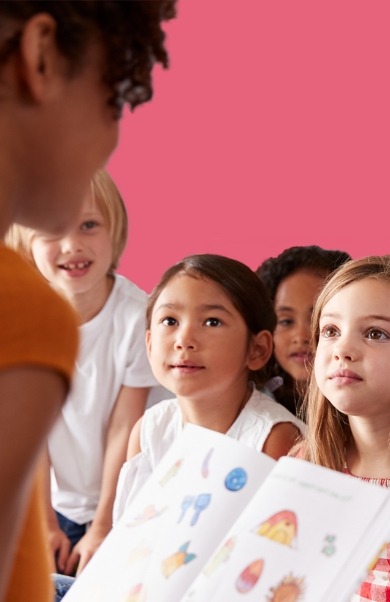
[(327, 428)]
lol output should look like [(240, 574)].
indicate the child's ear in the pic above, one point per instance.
[(260, 350), (40, 60), (148, 341)]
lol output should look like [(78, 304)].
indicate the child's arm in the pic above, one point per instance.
[(128, 408), (134, 446), (280, 440), (58, 541), (31, 399)]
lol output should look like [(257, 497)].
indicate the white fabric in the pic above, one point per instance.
[(162, 424), (112, 353)]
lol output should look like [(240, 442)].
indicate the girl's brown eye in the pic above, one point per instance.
[(329, 332), (376, 334)]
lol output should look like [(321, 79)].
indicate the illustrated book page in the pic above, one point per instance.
[(296, 538), (178, 518)]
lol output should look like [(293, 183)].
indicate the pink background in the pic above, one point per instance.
[(270, 129)]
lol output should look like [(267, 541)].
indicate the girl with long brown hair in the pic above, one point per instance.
[(348, 400)]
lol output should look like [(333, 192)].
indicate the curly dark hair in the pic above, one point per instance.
[(275, 269), (130, 32)]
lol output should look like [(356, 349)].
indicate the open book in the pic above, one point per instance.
[(217, 520)]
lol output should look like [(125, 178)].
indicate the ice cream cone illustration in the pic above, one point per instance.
[(172, 472), (281, 527), (172, 563), (221, 556)]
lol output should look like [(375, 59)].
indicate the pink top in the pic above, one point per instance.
[(376, 587)]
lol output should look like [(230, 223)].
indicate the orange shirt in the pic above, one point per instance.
[(38, 328)]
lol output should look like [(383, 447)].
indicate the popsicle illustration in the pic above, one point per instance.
[(174, 562), (249, 576), (201, 503), (281, 527), (149, 513), (172, 472), (205, 465), (221, 556), (186, 503)]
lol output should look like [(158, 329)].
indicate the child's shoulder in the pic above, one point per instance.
[(127, 291), (161, 411), (160, 426), (127, 300), (262, 405)]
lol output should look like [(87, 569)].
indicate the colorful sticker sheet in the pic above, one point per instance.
[(296, 539), (218, 521), (177, 519)]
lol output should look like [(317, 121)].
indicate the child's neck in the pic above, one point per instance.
[(215, 411), (368, 452), (89, 303)]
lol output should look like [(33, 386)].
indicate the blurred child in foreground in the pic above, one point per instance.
[(88, 444)]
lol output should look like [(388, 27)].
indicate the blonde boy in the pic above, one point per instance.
[(87, 446)]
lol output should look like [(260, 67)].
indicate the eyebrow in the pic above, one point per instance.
[(285, 308), (204, 307), (370, 317)]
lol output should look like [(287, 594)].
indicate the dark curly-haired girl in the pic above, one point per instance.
[(293, 279)]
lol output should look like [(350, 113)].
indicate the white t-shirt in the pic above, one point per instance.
[(112, 353), (162, 424)]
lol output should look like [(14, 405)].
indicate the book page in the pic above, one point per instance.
[(294, 538), (175, 522), (364, 557)]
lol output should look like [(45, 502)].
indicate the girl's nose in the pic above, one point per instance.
[(185, 338), (345, 349), (302, 333)]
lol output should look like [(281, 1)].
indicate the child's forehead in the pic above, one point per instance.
[(366, 297), (91, 205), (192, 289)]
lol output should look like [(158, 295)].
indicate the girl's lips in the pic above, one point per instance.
[(187, 367), (344, 377), (301, 357)]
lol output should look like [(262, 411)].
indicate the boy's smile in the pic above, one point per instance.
[(78, 263)]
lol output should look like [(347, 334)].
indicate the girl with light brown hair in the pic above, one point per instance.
[(347, 405)]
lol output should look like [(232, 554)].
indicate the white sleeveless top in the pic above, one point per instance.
[(162, 424)]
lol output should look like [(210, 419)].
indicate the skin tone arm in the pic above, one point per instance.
[(128, 408), (280, 440), (134, 446), (31, 399), (58, 541)]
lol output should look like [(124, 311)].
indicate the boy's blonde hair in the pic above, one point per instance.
[(327, 428), (109, 201)]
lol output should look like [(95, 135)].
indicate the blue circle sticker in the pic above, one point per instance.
[(236, 479)]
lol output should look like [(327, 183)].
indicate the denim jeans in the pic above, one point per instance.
[(61, 583), (72, 530)]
